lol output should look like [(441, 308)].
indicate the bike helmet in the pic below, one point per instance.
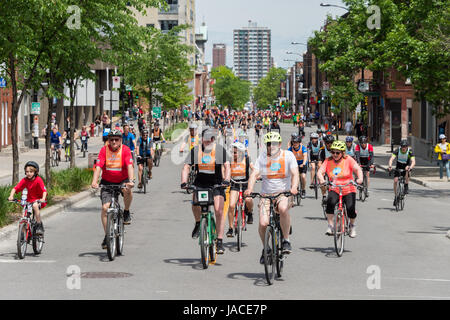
[(363, 139), (32, 164), (272, 137), (296, 138), (193, 126), (314, 135), (328, 139), (144, 131), (294, 135), (349, 139), (338, 145), (115, 133), (404, 143), (239, 145)]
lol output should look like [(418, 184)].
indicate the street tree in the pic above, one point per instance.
[(268, 87), (229, 89)]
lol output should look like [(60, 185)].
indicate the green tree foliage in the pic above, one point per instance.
[(229, 89), (268, 87)]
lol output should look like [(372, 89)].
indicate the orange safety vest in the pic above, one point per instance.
[(276, 169), (298, 154), (207, 161), (114, 159), (156, 134), (238, 170)]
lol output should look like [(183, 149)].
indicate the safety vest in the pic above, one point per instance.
[(207, 161), (238, 170), (114, 159), (403, 157), (364, 153), (315, 149), (156, 134), (276, 169), (299, 153)]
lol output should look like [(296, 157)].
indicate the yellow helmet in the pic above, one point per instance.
[(338, 145), (272, 137)]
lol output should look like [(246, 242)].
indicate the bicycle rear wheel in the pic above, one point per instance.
[(279, 255), (38, 242), (339, 233), (144, 179), (204, 242), (269, 254), (120, 234), (239, 228), (110, 236), (22, 241)]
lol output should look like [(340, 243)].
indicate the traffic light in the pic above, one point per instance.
[(137, 95), (319, 99)]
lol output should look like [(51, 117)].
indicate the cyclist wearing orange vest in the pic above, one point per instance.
[(209, 160), (340, 168), (116, 163)]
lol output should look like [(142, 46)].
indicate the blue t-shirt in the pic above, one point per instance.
[(54, 138), (142, 146), (128, 140), (304, 151)]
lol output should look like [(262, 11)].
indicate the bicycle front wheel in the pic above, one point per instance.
[(22, 241), (111, 236), (120, 235), (144, 180), (269, 254), (279, 256), (204, 242), (339, 233), (239, 228), (38, 243)]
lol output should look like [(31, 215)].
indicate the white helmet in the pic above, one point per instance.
[(442, 136), (239, 145), (193, 126), (314, 135)]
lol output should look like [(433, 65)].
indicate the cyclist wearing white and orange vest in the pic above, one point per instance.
[(340, 168), (279, 172), (212, 168), (240, 172), (301, 154), (192, 140), (116, 164)]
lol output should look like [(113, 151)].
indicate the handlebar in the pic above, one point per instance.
[(216, 186), (241, 183), (342, 186), (255, 194), (20, 201), (113, 186)]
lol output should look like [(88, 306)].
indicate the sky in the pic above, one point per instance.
[(289, 21)]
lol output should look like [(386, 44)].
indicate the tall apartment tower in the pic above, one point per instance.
[(219, 55), (252, 52)]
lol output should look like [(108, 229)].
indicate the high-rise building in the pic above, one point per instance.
[(252, 52), (219, 55)]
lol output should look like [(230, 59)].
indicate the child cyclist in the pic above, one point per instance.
[(36, 191)]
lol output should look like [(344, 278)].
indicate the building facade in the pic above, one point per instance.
[(5, 117), (219, 55), (252, 52)]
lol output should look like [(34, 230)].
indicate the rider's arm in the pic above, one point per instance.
[(391, 160), (321, 172), (359, 173), (94, 183), (413, 163), (305, 155)]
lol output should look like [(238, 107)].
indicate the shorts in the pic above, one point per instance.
[(264, 204), (363, 162), (106, 195), (348, 200), (314, 158), (216, 192), (398, 174), (303, 170), (142, 159), (57, 146), (235, 187)]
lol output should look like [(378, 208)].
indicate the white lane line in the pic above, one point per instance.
[(419, 279), (27, 261)]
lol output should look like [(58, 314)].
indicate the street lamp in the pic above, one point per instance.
[(304, 44), (288, 52), (332, 5)]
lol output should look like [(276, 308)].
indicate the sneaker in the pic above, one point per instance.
[(395, 202), (329, 231), (140, 185), (406, 189), (126, 217), (230, 233), (352, 232), (196, 231), (104, 246), (39, 229), (303, 194), (220, 248), (286, 247), (250, 218)]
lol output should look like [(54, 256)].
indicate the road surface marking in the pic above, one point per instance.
[(27, 261)]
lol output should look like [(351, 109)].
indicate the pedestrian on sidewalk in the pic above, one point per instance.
[(443, 151), (348, 127)]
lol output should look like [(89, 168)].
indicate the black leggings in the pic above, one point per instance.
[(349, 201)]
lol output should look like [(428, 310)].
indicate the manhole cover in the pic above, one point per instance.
[(104, 275)]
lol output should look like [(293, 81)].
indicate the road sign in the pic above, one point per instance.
[(156, 111), (2, 83), (35, 108), (108, 98), (116, 82), (128, 88)]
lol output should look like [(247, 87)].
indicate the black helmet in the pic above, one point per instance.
[(404, 143), (295, 137), (363, 139), (32, 164), (328, 138), (115, 133)]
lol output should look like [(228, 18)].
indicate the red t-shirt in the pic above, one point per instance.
[(115, 176), (35, 187)]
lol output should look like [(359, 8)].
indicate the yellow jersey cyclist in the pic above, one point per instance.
[(279, 172), (340, 169), (213, 168), (405, 161), (240, 172)]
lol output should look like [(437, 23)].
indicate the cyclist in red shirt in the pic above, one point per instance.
[(116, 163), (36, 191)]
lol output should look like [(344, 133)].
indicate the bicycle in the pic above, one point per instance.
[(27, 230), (399, 197), (341, 220), (158, 153), (239, 215), (315, 183), (115, 230), (54, 158), (191, 178), (363, 190), (298, 197), (204, 198), (67, 150), (324, 206), (273, 255), (144, 176), (84, 145)]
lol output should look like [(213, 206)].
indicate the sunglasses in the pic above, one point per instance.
[(335, 152), (114, 140)]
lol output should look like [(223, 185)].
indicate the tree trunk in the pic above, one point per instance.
[(14, 116), (48, 176), (72, 89)]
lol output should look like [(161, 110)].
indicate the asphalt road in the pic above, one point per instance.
[(401, 255)]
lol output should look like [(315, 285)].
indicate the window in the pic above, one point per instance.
[(167, 25)]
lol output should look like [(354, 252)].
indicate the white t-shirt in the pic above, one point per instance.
[(272, 186), (348, 126), (443, 147)]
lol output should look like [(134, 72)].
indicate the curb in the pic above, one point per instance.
[(52, 210)]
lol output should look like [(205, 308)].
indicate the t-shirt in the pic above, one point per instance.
[(403, 159), (115, 176), (343, 171), (35, 187), (304, 151), (54, 138), (128, 140), (276, 185)]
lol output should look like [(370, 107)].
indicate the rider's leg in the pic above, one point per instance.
[(220, 217), (284, 203), (264, 214), (127, 198), (37, 214), (313, 170), (140, 168), (231, 207), (303, 181), (395, 185), (332, 200), (105, 208)]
